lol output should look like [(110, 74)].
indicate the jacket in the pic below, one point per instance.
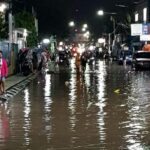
[(4, 69)]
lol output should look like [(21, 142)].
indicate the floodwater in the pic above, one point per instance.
[(108, 109)]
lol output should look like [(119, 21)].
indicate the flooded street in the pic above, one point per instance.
[(108, 109)]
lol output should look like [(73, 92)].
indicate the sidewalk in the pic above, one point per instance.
[(15, 79)]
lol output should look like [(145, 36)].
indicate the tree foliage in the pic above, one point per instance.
[(26, 20), (3, 27)]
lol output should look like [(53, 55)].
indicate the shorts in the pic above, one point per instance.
[(2, 79)]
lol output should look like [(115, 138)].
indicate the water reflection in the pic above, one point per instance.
[(80, 111), (47, 107), (139, 109), (101, 99), (4, 123), (86, 102), (27, 119)]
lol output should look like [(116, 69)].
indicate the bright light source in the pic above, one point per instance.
[(60, 48), (85, 26), (136, 17), (91, 48), (3, 7), (101, 40), (100, 49), (88, 33), (46, 41), (83, 29), (25, 33), (66, 47), (61, 43), (145, 14), (71, 24), (39, 45), (100, 12)]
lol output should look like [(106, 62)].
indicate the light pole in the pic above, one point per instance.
[(102, 13)]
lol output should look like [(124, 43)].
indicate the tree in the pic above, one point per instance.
[(3, 27), (26, 20)]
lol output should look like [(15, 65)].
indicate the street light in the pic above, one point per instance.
[(85, 26), (101, 13), (83, 29), (46, 41), (71, 24), (3, 7)]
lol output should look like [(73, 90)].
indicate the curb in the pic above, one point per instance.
[(21, 81)]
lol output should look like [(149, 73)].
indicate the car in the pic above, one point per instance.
[(141, 60)]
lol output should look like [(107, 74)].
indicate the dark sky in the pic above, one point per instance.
[(54, 15)]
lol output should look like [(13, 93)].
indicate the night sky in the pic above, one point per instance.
[(54, 15)]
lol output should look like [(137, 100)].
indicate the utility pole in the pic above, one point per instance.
[(10, 25)]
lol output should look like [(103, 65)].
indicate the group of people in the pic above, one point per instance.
[(27, 61), (30, 61)]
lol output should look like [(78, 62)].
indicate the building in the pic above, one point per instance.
[(20, 37), (142, 11)]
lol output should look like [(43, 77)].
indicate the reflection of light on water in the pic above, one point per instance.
[(87, 69), (72, 97), (47, 106), (47, 88), (134, 145), (4, 124), (72, 65), (87, 80), (137, 102), (101, 99), (27, 120)]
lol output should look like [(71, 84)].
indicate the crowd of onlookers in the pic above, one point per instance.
[(31, 60)]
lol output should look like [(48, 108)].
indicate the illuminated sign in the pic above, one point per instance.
[(136, 29)]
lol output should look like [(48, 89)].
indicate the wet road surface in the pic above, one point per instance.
[(105, 110)]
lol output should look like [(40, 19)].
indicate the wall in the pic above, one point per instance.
[(10, 56)]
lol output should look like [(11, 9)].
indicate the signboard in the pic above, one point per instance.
[(145, 37), (142, 30), (146, 29), (136, 29)]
